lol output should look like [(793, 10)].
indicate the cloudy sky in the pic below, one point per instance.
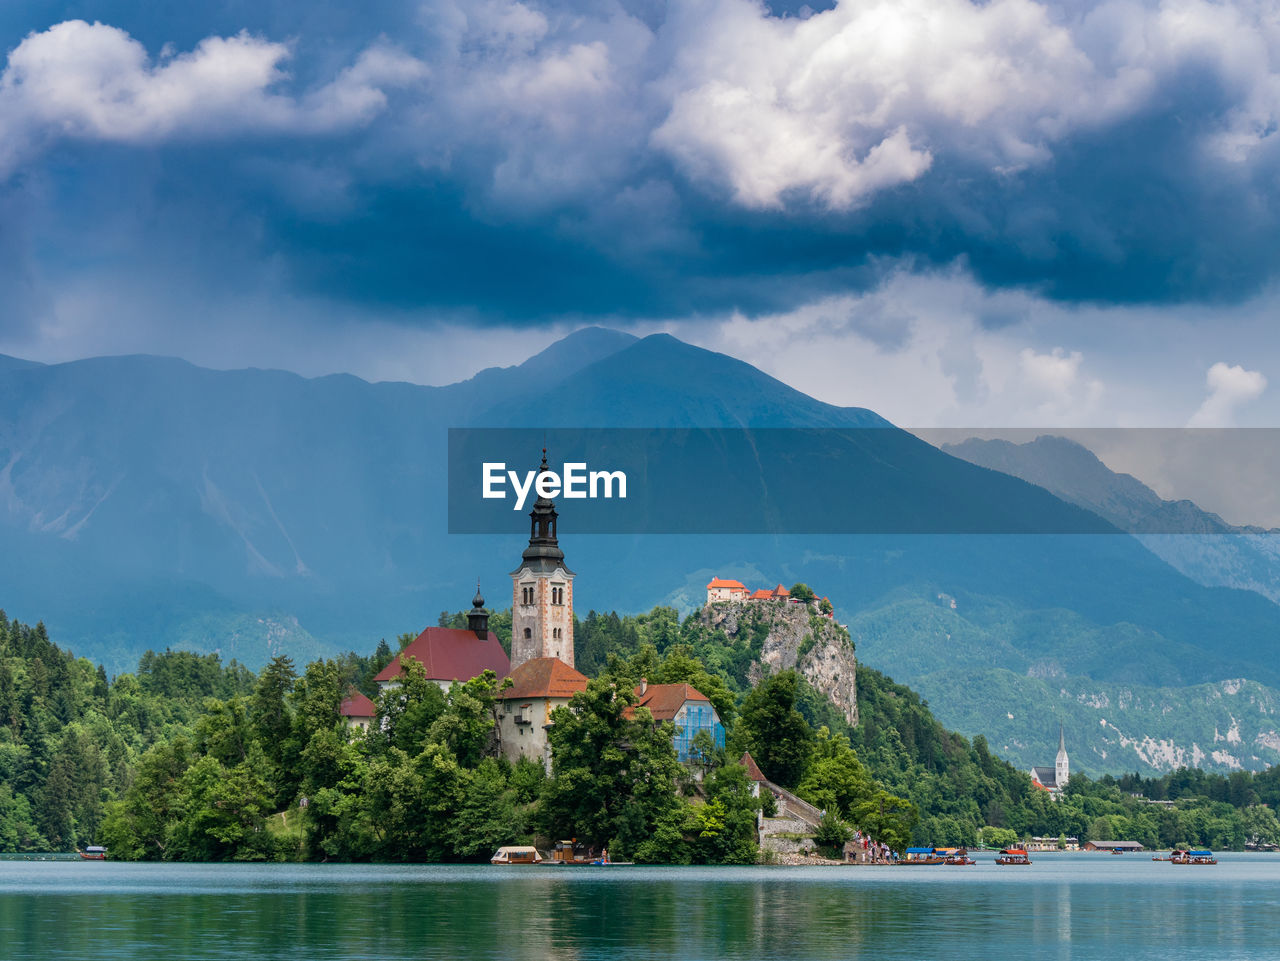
[(999, 213)]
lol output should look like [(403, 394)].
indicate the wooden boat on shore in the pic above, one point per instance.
[(1013, 856), (93, 853)]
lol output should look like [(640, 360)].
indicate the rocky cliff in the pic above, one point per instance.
[(798, 637)]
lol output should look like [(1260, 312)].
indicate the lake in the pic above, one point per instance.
[(1086, 906)]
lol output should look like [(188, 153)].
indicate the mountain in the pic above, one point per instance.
[(145, 502), (1196, 542)]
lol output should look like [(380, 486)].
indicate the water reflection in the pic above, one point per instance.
[(1065, 909)]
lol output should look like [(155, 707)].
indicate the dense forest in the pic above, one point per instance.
[(191, 759)]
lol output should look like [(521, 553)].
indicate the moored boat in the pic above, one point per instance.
[(1013, 856), (516, 854), (94, 853), (918, 856)]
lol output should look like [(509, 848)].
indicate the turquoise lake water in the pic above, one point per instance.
[(1085, 906)]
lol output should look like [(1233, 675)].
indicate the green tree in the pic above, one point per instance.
[(775, 733), (802, 592), (613, 775)]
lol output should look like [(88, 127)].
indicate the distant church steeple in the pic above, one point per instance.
[(542, 590), (1061, 766)]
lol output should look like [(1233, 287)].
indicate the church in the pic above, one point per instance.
[(542, 673), (540, 667), (1054, 779)]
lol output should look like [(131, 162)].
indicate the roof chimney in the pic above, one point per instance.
[(644, 686), (478, 617)]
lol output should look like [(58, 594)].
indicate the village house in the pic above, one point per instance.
[(357, 710), (688, 709)]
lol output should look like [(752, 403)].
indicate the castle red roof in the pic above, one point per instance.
[(545, 677), (761, 595), (719, 582), (664, 700), (356, 705), (753, 769), (451, 654), (781, 591)]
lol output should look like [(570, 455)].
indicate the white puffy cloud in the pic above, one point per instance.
[(95, 82), (831, 109), (867, 95), (1230, 387)]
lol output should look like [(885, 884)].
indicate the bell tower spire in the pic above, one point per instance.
[(542, 590), (1061, 766)]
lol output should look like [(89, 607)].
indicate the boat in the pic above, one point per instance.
[(516, 854), (574, 853), (94, 852), (1197, 857), (918, 856), (1013, 856), (959, 858)]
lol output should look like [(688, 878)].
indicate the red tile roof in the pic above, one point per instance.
[(357, 705), (664, 700), (753, 769), (781, 591), (761, 595), (718, 582), (545, 677), (452, 654)]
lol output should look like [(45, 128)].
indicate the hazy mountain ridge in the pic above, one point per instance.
[(1013, 677), (1211, 551)]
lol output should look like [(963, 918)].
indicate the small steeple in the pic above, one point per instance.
[(478, 617)]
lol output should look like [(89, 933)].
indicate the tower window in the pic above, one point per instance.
[(528, 634)]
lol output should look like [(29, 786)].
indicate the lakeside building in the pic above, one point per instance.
[(1053, 844), (1054, 779), (1128, 847)]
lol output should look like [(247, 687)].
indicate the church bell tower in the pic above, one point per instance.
[(542, 591), (1061, 767)]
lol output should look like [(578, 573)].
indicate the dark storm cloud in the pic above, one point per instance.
[(509, 161)]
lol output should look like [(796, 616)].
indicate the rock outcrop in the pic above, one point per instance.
[(798, 637)]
